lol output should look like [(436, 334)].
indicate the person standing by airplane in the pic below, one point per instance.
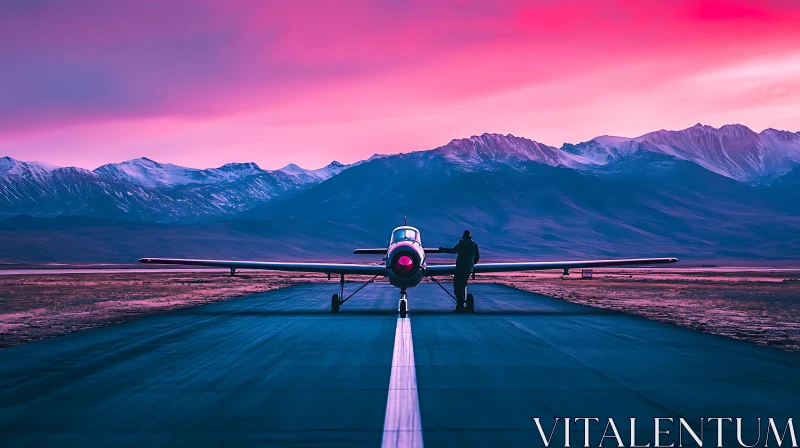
[(468, 255)]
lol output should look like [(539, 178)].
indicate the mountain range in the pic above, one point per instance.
[(702, 193)]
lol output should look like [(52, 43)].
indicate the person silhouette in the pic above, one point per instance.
[(468, 255)]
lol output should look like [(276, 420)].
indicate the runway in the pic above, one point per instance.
[(278, 368)]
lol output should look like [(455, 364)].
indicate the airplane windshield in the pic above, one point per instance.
[(404, 235)]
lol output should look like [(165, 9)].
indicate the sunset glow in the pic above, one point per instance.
[(203, 83)]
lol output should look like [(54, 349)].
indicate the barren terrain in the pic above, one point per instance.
[(757, 305), (43, 305)]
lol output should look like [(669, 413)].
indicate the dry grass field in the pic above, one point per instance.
[(760, 306)]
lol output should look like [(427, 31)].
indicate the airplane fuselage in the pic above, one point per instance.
[(405, 258)]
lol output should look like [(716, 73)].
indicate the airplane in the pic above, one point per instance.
[(405, 265)]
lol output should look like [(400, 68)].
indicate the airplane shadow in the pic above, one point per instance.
[(346, 313), (510, 313)]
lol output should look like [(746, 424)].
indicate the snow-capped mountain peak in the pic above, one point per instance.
[(14, 167), (732, 150), (781, 135), (331, 170), (319, 174), (602, 150), (240, 166), (149, 173), (233, 171), (293, 170), (503, 149), (611, 140)]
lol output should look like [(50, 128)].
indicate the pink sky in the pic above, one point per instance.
[(202, 83)]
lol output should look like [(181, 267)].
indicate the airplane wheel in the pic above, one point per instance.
[(403, 308), (335, 303), (470, 303)]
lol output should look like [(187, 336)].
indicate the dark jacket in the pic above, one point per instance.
[(467, 252)]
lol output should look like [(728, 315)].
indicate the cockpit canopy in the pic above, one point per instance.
[(405, 234)]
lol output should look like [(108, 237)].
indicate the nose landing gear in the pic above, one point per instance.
[(403, 305)]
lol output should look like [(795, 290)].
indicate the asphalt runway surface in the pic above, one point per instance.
[(278, 368)]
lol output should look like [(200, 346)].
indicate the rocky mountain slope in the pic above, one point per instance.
[(701, 193), (145, 190), (733, 151)]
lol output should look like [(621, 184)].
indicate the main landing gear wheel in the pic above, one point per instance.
[(335, 303), (403, 308), (470, 304)]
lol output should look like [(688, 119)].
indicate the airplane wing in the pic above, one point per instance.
[(325, 268), (446, 269)]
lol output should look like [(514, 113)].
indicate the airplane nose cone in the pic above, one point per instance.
[(405, 264)]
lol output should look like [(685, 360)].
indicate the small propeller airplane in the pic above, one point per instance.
[(405, 265)]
